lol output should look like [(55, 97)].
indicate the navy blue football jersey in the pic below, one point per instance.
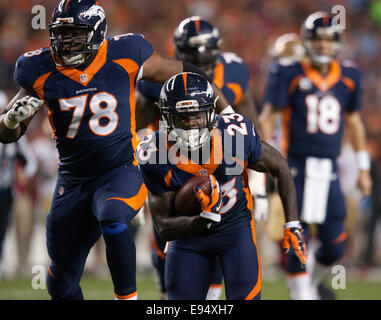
[(313, 105), (234, 145), (91, 111)]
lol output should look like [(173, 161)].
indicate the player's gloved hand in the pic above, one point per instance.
[(21, 110), (261, 207), (293, 235), (210, 205)]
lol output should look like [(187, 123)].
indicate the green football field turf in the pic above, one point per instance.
[(97, 289)]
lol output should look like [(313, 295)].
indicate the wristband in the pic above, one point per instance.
[(363, 160), (292, 224), (216, 217)]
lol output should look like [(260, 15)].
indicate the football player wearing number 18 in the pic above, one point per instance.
[(194, 141), (315, 96), (88, 83)]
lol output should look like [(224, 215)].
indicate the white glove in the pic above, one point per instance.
[(21, 110), (261, 207)]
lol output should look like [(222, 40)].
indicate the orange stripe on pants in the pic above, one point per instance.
[(135, 202)]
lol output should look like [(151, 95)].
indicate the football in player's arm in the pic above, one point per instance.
[(195, 126), (172, 227), (87, 82)]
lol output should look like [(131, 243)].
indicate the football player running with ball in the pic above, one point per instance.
[(315, 96), (88, 82), (198, 42), (194, 141)]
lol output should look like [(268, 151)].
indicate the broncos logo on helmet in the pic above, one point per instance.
[(187, 107), (77, 30)]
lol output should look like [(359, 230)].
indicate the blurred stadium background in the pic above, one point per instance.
[(248, 28)]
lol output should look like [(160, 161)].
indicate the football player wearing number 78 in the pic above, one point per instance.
[(315, 96), (224, 228), (87, 82)]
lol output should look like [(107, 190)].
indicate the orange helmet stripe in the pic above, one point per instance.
[(197, 25), (185, 82)]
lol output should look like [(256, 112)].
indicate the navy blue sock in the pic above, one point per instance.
[(60, 289)]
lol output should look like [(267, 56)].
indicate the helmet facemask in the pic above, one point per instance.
[(191, 126), (201, 56), (319, 26), (323, 58), (72, 45)]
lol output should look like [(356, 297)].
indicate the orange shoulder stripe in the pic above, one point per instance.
[(218, 78), (38, 85), (237, 89), (349, 83)]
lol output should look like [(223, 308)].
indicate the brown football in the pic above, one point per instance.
[(185, 200)]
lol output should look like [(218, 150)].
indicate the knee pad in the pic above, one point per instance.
[(111, 228), (117, 236)]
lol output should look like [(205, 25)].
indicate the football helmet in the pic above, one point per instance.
[(319, 25), (287, 47), (196, 41), (187, 108), (77, 30)]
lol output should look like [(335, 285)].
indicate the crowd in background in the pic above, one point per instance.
[(247, 27)]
